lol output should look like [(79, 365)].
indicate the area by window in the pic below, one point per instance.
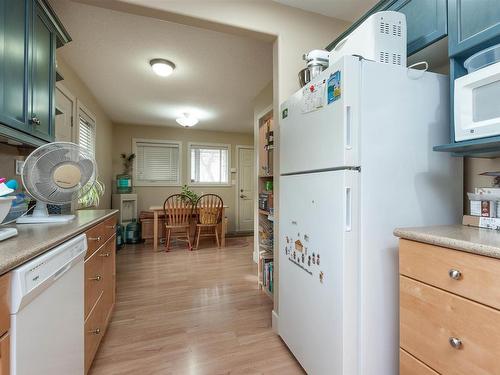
[(157, 162), (209, 164), (86, 129)]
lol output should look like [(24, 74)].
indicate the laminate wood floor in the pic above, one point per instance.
[(192, 313)]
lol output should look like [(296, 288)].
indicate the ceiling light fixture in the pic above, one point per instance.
[(162, 67), (187, 120)]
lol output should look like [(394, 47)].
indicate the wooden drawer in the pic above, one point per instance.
[(409, 365), (99, 234), (5, 354), (94, 330), (108, 256), (4, 303), (94, 280), (479, 277), (429, 317)]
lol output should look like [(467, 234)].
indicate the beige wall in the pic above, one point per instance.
[(104, 126), (156, 195)]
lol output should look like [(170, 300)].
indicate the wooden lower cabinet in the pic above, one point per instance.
[(5, 354), (449, 321), (100, 284)]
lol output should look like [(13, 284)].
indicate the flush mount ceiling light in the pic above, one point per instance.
[(162, 67), (187, 120)]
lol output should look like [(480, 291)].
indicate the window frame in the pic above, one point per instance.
[(82, 108), (139, 183), (208, 145)]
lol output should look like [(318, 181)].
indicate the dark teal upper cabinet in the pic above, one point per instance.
[(426, 21), (43, 48), (472, 23), (29, 34), (13, 66)]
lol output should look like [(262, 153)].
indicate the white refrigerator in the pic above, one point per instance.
[(356, 161)]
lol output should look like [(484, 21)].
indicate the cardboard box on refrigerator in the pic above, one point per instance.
[(482, 222)]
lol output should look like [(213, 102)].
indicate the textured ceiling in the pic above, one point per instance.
[(347, 10), (217, 76)]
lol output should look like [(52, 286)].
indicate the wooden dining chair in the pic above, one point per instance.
[(178, 213), (209, 209)]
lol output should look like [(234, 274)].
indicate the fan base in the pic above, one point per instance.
[(30, 219), (7, 233)]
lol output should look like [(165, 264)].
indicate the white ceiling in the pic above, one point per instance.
[(347, 10), (217, 76)]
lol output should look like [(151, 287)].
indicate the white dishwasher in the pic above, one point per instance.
[(47, 323)]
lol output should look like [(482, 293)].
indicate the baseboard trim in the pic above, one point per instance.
[(275, 320)]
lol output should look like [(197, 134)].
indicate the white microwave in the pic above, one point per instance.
[(477, 104)]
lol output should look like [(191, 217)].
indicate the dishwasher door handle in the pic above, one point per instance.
[(62, 271)]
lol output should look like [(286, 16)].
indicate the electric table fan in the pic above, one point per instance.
[(56, 173)]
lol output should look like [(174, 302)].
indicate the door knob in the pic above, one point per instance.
[(243, 196)]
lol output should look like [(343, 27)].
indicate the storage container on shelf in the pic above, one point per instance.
[(483, 58)]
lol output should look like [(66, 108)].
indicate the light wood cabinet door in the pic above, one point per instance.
[(473, 276), (94, 281), (450, 334), (107, 253), (409, 365), (5, 354), (94, 330), (99, 234)]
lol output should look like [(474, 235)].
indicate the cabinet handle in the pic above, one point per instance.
[(455, 342), (35, 120), (111, 226), (96, 278), (96, 331), (95, 238), (455, 274), (105, 255)]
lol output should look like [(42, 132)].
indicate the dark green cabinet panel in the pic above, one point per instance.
[(42, 75), (473, 23), (13, 63), (426, 21)]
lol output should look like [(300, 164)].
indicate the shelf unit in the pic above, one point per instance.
[(266, 213)]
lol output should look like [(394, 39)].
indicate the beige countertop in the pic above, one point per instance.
[(35, 239), (459, 237)]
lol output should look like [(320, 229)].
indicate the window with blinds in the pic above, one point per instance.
[(209, 164), (86, 132), (157, 162)]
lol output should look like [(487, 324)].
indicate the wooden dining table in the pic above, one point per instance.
[(159, 209)]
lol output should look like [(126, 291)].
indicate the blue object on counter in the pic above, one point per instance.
[(12, 184), (19, 207)]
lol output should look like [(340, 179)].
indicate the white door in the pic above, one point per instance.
[(65, 107), (318, 258), (319, 123), (246, 177)]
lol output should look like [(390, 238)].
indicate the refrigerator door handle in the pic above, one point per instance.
[(348, 209), (348, 130)]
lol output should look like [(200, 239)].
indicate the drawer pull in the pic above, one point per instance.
[(96, 331), (105, 255), (455, 274), (455, 342), (96, 278), (111, 226), (95, 238)]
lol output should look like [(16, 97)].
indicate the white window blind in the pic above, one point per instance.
[(209, 164), (157, 163), (86, 132)]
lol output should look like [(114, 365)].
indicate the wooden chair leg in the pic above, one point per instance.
[(198, 229), (217, 236), (188, 235), (168, 238)]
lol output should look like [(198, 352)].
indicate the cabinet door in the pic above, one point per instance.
[(425, 19), (5, 354), (43, 43), (472, 22), (13, 64)]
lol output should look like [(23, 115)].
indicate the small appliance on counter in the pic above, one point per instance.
[(381, 38), (316, 61), (476, 109)]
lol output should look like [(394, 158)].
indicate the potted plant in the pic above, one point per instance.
[(188, 195), (93, 196), (124, 180)]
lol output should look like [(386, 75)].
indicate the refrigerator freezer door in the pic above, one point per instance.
[(318, 280), (319, 123)]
